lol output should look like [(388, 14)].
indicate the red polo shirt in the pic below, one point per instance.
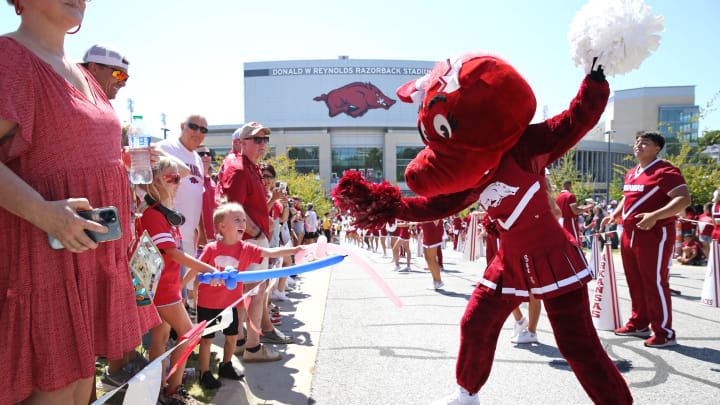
[(242, 183)]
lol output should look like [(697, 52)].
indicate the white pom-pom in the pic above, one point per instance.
[(620, 33)]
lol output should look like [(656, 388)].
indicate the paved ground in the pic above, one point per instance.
[(358, 348)]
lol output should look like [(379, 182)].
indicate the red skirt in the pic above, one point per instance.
[(542, 261)]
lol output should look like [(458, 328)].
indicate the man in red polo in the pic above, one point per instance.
[(654, 192), (242, 183), (567, 202)]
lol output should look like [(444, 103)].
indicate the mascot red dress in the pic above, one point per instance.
[(474, 120)]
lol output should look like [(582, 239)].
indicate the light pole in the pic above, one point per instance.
[(607, 179)]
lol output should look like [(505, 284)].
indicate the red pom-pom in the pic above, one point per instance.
[(371, 204)]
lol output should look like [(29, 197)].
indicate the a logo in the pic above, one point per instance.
[(355, 99), (495, 192)]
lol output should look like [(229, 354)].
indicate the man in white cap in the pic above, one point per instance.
[(108, 66)]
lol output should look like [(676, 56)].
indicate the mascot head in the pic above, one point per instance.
[(472, 110)]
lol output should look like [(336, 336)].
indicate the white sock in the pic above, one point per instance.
[(521, 321)]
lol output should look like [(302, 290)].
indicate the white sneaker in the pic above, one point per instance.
[(291, 282), (397, 268), (519, 326), (525, 337), (278, 295), (459, 397), (438, 285), (407, 268)]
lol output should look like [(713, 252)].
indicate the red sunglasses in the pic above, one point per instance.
[(172, 178)]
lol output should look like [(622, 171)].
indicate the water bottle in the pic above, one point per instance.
[(139, 142)]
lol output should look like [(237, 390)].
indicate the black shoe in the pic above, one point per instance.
[(276, 337), (208, 381), (227, 370)]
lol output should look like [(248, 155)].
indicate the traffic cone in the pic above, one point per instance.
[(594, 262), (604, 307), (711, 286)]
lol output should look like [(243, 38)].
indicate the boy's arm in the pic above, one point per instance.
[(280, 252), (183, 259)]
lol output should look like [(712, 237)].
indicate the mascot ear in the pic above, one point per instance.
[(471, 71), (409, 92)]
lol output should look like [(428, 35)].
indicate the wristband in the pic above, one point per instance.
[(258, 235)]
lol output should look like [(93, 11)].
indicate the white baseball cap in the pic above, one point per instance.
[(106, 55)]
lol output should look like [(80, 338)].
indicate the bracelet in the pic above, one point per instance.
[(258, 235)]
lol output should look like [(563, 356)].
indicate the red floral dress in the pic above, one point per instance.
[(58, 310)]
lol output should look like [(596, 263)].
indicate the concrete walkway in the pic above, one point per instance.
[(356, 347)]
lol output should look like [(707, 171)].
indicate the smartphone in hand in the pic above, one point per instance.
[(106, 216)]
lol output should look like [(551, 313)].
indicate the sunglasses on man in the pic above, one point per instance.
[(196, 127), (203, 153), (119, 75), (257, 140)]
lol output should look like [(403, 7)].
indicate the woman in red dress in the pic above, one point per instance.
[(59, 153)]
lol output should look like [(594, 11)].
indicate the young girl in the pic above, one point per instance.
[(162, 222)]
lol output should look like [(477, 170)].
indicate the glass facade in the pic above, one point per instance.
[(678, 124), (307, 158), (404, 154), (368, 161), (594, 164)]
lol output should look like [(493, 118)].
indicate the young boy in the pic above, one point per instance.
[(229, 220)]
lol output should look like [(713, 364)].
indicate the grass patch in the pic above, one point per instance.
[(192, 386)]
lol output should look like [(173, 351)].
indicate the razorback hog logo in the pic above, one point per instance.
[(355, 99), (495, 192)]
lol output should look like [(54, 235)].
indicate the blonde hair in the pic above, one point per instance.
[(224, 209), (157, 189)]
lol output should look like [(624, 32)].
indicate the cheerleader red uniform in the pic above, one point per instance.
[(646, 254), (716, 218), (403, 233), (565, 200), (432, 233), (164, 236)]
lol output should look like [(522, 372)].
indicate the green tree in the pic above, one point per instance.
[(565, 169), (306, 186), (709, 138), (702, 175)]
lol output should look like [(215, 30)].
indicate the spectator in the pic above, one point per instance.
[(49, 354), (189, 198), (692, 252), (705, 228), (161, 221), (298, 220), (327, 224), (108, 66), (212, 300), (567, 202), (654, 192), (279, 212), (209, 200), (242, 183), (110, 69), (311, 225)]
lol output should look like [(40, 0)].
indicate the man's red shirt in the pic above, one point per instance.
[(242, 183)]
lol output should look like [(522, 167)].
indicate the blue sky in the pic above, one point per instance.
[(187, 56)]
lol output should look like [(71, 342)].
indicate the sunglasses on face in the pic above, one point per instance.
[(257, 140), (196, 127), (268, 176), (119, 75), (172, 178), (203, 153)]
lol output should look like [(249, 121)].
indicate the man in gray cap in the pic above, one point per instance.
[(108, 67), (242, 183)]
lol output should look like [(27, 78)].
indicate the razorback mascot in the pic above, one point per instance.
[(474, 121)]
